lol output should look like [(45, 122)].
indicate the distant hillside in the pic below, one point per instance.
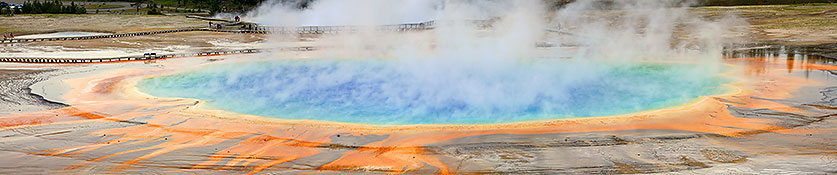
[(215, 6)]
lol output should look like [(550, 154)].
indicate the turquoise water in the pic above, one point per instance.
[(418, 92)]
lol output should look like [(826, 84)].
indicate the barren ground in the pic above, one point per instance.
[(46, 23)]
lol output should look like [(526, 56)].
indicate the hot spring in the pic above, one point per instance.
[(477, 64), (416, 91)]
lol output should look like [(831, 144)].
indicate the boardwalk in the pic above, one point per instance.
[(102, 36), (144, 57), (281, 30), (135, 58), (428, 25)]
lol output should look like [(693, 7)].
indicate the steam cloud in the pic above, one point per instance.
[(461, 69)]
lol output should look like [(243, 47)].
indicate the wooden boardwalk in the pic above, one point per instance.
[(102, 36), (282, 30), (134, 58), (428, 25), (144, 57)]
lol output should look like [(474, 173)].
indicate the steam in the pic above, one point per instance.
[(335, 12), (642, 30), (625, 30), (462, 69)]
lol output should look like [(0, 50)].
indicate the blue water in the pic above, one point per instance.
[(403, 92)]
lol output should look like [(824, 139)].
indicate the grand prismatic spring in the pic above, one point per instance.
[(376, 92), (421, 87)]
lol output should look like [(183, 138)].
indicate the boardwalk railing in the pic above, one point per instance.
[(145, 57), (101, 36), (427, 25), (282, 30)]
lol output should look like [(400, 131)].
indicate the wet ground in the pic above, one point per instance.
[(16, 96)]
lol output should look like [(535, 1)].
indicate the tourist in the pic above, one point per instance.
[(4, 36), (12, 35), (210, 24), (237, 18)]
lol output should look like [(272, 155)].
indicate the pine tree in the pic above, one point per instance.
[(27, 7)]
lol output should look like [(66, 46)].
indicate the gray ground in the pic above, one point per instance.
[(16, 96)]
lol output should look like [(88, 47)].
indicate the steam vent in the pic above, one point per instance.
[(418, 87)]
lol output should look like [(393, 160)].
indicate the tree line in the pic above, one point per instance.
[(217, 6), (54, 7)]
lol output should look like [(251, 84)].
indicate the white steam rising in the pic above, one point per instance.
[(624, 30), (488, 69)]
